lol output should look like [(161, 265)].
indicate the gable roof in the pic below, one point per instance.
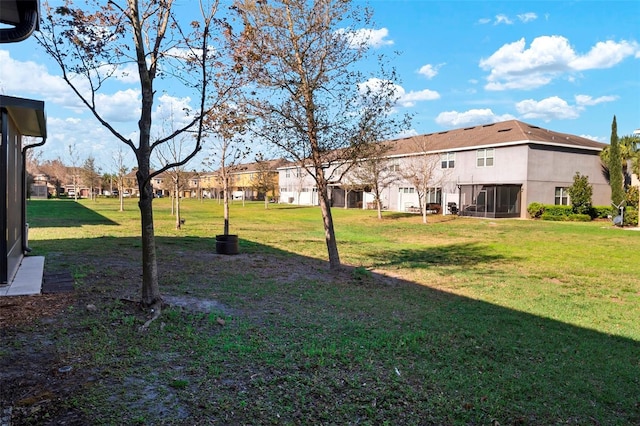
[(505, 133), (265, 165)]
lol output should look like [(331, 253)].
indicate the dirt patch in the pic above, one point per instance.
[(18, 310), (39, 379)]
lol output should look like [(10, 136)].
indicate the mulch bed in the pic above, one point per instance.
[(57, 294)]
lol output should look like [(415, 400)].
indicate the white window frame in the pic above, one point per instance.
[(448, 160), (561, 197), (485, 157)]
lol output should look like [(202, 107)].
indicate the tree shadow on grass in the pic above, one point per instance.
[(451, 255), (63, 213), (320, 347)]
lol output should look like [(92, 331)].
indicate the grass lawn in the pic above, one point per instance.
[(459, 321)]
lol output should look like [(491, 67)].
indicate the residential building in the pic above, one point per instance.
[(19, 117), (493, 170), (247, 181)]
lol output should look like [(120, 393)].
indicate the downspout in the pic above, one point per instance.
[(3, 193), (23, 213)]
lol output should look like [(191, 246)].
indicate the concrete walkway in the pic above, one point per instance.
[(28, 279)]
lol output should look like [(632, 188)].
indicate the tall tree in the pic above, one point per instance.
[(311, 101), (90, 175), (94, 42), (629, 146), (616, 179)]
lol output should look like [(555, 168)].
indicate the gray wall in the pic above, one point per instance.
[(550, 169)]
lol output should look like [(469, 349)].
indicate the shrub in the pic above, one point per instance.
[(535, 210), (630, 216), (632, 196), (580, 194), (558, 210), (576, 217), (601, 212), (549, 216)]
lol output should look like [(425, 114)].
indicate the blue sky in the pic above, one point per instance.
[(568, 66)]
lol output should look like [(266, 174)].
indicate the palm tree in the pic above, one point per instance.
[(629, 153)]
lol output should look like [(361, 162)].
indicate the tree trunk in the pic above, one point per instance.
[(329, 232), (225, 208), (178, 219), (379, 207), (150, 289), (423, 204)]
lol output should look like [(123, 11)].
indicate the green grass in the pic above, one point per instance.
[(518, 322)]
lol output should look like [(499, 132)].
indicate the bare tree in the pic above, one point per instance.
[(262, 181), (171, 153), (57, 172), (227, 125), (378, 172), (73, 157), (94, 45), (121, 171), (302, 56), (421, 171)]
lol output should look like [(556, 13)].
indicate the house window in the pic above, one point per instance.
[(410, 190), (448, 160), (562, 196), (394, 168), (433, 195), (485, 157), (287, 173)]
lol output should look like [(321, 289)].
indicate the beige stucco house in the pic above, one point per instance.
[(493, 170)]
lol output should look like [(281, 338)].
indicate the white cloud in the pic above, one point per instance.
[(586, 100), (29, 79), (547, 109), (605, 55), (403, 98), (410, 99), (128, 74), (171, 113), (513, 66), (87, 137), (595, 138), (429, 70), (527, 17), (502, 19), (122, 106), (472, 117), (366, 37), (407, 133)]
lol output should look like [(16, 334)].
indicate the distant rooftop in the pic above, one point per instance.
[(512, 132)]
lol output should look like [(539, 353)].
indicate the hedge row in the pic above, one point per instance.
[(565, 213)]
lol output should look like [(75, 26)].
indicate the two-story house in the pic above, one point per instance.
[(493, 170)]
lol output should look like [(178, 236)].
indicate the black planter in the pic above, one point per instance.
[(227, 244)]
